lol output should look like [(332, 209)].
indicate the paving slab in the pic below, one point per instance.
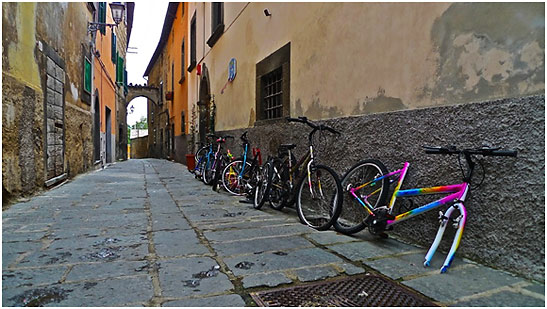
[(257, 246), (266, 262), (502, 299), (330, 237), (361, 251), (257, 232), (459, 282), (269, 280), (232, 300), (315, 273), (180, 277), (410, 264), (174, 221), (31, 277), (114, 269), (177, 243)]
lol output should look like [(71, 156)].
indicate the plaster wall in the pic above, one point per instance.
[(363, 58)]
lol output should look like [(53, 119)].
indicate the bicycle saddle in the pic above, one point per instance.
[(287, 146)]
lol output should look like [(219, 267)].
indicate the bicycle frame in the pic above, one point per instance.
[(455, 198)]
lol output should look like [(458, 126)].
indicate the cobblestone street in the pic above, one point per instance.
[(146, 233)]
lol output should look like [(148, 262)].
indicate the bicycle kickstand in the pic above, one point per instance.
[(459, 223)]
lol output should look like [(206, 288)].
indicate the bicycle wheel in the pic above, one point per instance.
[(319, 198), (208, 171), (263, 184), (279, 190), (353, 215), (231, 177), (201, 156)]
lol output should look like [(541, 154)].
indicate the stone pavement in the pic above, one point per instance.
[(146, 233)]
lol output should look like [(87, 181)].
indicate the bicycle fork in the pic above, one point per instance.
[(459, 223)]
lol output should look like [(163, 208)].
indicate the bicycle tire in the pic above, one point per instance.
[(279, 193), (231, 174), (353, 215), (263, 185), (200, 157), (322, 208), (208, 173)]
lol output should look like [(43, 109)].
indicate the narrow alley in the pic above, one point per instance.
[(146, 233)]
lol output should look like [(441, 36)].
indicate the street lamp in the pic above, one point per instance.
[(117, 15)]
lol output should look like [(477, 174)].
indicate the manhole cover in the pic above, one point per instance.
[(358, 291)]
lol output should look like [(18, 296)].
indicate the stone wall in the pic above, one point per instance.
[(22, 138), (506, 215), (139, 147)]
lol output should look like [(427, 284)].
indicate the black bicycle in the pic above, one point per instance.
[(315, 188)]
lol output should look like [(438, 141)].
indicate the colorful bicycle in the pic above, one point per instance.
[(366, 187)]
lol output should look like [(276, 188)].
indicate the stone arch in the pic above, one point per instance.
[(149, 92)]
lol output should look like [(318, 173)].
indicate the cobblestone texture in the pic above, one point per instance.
[(145, 233)]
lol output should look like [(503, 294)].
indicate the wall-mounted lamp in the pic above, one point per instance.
[(267, 13), (117, 16)]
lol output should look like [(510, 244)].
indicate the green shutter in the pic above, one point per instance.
[(102, 16), (113, 55), (87, 75), (119, 70)]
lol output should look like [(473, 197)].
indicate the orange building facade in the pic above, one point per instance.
[(167, 70), (108, 86)]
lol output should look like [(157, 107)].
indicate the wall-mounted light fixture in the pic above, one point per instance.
[(267, 13), (117, 15)]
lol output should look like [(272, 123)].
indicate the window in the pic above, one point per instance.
[(217, 22), (113, 54), (273, 85), (272, 94), (192, 44), (87, 76), (183, 62), (102, 16)]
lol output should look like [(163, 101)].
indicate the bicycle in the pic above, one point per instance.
[(317, 193), (367, 183), (239, 176), (215, 163), (202, 155)]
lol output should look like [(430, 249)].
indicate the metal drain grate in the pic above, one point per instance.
[(358, 291)]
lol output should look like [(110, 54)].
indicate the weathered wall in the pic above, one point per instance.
[(32, 33), (139, 148), (506, 215), (362, 58)]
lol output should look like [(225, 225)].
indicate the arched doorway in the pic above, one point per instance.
[(97, 128), (140, 119), (204, 104)]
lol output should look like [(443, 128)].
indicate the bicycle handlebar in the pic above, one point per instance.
[(485, 151), (305, 120)]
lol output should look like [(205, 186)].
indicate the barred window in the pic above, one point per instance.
[(273, 100), (273, 81)]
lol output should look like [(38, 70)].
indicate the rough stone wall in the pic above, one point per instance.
[(139, 147), (79, 140), (506, 215), (22, 138), (42, 105)]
